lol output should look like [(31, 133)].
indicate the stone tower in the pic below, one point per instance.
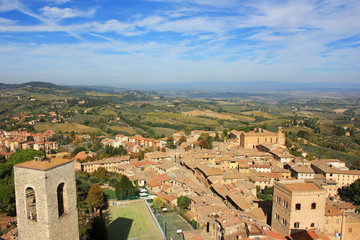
[(46, 199)]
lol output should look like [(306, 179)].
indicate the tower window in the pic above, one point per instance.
[(296, 225), (30, 204), (313, 206), (298, 206), (312, 225), (60, 198)]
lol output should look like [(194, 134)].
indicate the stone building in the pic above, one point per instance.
[(46, 199), (298, 205), (252, 139)]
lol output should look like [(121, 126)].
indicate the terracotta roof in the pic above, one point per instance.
[(239, 200), (302, 169), (308, 235), (44, 165), (331, 210), (296, 186)]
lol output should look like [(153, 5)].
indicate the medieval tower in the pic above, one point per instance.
[(46, 199)]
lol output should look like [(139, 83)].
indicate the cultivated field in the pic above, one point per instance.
[(65, 127), (132, 221)]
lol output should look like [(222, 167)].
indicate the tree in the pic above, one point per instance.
[(170, 143), (339, 131), (125, 189), (183, 202), (182, 139), (94, 229), (158, 202), (79, 149), (98, 229), (356, 165), (101, 174), (355, 191), (7, 189), (2, 159), (24, 156), (95, 197)]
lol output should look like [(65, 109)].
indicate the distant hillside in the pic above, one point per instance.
[(30, 84)]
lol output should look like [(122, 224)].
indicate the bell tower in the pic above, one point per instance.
[(46, 199)]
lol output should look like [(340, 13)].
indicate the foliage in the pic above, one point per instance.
[(183, 202), (95, 229), (158, 203), (182, 139), (79, 149), (355, 191), (111, 151), (170, 143), (125, 188), (339, 131), (24, 156), (7, 189), (265, 194), (2, 159), (194, 224), (356, 165), (101, 174), (95, 197), (205, 141)]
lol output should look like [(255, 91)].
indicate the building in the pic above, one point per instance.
[(46, 199), (254, 138), (298, 205), (333, 169)]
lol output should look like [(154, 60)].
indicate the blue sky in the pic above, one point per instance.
[(101, 42)]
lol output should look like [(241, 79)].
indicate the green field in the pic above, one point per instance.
[(132, 221), (110, 194)]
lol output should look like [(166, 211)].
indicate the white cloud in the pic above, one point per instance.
[(6, 21), (62, 13), (8, 5)]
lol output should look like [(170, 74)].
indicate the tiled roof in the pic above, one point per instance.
[(44, 165)]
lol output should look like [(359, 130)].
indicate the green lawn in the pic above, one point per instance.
[(109, 193), (132, 221)]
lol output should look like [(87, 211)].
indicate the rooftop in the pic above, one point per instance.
[(44, 165), (300, 186)]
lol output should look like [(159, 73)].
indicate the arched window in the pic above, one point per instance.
[(313, 206), (60, 198), (30, 204), (296, 225)]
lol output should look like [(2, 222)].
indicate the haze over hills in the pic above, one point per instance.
[(259, 86)]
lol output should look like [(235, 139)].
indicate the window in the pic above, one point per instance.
[(277, 216), (278, 199), (284, 221), (286, 204), (296, 225), (60, 198), (337, 220), (313, 206), (298, 206), (312, 225), (350, 230), (30, 204), (326, 221)]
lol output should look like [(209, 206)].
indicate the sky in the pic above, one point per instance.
[(108, 42)]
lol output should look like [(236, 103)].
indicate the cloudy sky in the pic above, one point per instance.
[(119, 42)]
